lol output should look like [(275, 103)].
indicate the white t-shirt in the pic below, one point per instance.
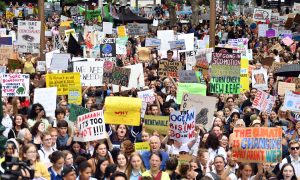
[(171, 149), (44, 156), (213, 153)]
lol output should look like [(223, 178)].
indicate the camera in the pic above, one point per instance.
[(15, 169)]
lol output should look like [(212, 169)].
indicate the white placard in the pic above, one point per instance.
[(107, 27), (60, 61), (91, 72), (29, 36), (47, 98), (165, 36)]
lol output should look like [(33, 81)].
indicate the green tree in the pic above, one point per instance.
[(172, 12), (3, 6)]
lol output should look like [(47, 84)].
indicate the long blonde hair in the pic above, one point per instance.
[(129, 166)]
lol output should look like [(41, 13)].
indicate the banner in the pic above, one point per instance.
[(283, 87), (156, 123), (137, 29), (257, 145), (226, 70), (262, 14), (191, 88), (91, 127), (91, 72), (123, 110), (167, 68), (47, 98), (292, 101), (75, 95), (15, 85), (263, 101), (188, 76), (152, 42), (147, 96), (63, 81), (108, 49), (260, 79), (204, 106), (76, 111), (182, 125), (120, 76), (142, 146), (29, 36), (5, 54), (244, 86)]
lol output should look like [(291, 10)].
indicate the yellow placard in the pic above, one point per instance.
[(63, 81), (121, 31), (9, 14), (142, 146), (244, 75), (66, 23), (75, 96), (157, 123), (70, 31), (123, 110)]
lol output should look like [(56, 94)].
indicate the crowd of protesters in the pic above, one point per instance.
[(47, 144)]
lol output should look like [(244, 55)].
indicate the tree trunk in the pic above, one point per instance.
[(195, 6), (172, 12)]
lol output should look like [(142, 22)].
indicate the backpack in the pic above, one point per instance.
[(276, 170)]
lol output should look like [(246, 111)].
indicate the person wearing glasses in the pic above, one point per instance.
[(46, 148), (293, 158)]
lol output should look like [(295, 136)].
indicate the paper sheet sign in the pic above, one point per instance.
[(15, 85), (283, 87), (182, 125), (91, 72), (123, 110), (263, 101), (147, 96), (63, 81), (91, 127), (257, 145), (156, 123), (47, 98), (75, 95), (142, 146), (292, 101)]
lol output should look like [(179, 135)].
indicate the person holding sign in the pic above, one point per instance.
[(29, 63)]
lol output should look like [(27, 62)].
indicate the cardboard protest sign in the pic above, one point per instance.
[(142, 146), (29, 36), (91, 127), (157, 123), (262, 14), (47, 98), (204, 106), (192, 88), (147, 96), (91, 72), (226, 69), (165, 36), (152, 42), (167, 68), (260, 79), (75, 95), (63, 81), (5, 54), (257, 145), (267, 61), (190, 59), (120, 76), (276, 65), (182, 125), (15, 85), (244, 86), (76, 111), (263, 101), (137, 29), (14, 64), (60, 61), (144, 53), (283, 87), (277, 46), (188, 76), (297, 83), (123, 110), (292, 101), (107, 71), (108, 49)]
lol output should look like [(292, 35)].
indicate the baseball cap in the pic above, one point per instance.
[(256, 121)]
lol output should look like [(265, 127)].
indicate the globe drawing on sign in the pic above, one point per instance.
[(106, 48), (289, 104)]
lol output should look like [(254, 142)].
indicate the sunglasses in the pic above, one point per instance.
[(295, 148)]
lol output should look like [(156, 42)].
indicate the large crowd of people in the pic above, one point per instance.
[(46, 145)]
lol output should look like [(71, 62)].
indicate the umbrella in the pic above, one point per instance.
[(291, 70)]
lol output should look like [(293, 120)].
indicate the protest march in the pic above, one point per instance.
[(150, 90)]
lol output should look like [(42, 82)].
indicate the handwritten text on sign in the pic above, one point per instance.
[(29, 36), (182, 125), (147, 96), (263, 101), (63, 81), (91, 72), (15, 84), (91, 127), (169, 68), (257, 144)]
